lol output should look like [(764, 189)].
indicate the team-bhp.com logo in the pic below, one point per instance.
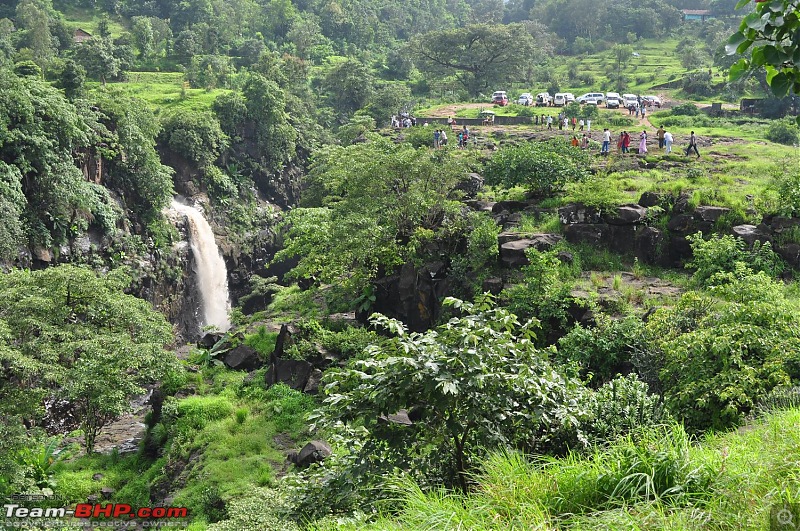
[(17, 516)]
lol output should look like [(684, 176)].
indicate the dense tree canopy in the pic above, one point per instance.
[(481, 56), (72, 335)]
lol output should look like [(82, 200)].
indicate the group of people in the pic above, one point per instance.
[(563, 122), (403, 120), (440, 137), (664, 137)]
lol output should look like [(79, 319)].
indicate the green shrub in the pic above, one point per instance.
[(196, 411), (596, 192), (259, 509), (262, 341), (623, 406), (287, 407), (783, 132), (726, 254), (542, 167), (422, 136), (603, 350), (685, 109)]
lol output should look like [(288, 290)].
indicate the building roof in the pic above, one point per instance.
[(81, 33), (696, 12)]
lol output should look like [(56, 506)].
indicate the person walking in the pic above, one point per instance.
[(643, 143), (442, 138), (606, 142), (644, 109), (621, 143), (549, 123), (626, 142), (574, 142), (668, 142), (692, 145), (580, 125), (588, 126), (660, 136), (436, 137), (584, 142), (574, 123)]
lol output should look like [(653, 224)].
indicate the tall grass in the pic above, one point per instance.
[(659, 479)]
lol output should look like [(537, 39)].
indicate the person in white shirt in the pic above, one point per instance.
[(668, 141), (588, 126), (606, 142)]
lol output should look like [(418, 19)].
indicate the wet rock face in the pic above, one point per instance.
[(412, 296)]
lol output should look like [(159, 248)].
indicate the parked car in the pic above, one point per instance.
[(525, 99), (543, 99), (500, 98), (598, 97), (630, 99), (560, 99), (612, 103), (591, 101), (651, 101), (570, 97)]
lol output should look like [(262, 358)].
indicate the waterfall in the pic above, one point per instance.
[(211, 274)]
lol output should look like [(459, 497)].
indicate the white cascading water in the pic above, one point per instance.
[(211, 274)]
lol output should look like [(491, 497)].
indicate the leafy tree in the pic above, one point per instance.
[(771, 30), (187, 45), (33, 16), (39, 131), (720, 353), (209, 71), (194, 135), (384, 201), (72, 79), (143, 36), (542, 167), (97, 56), (136, 172), (783, 132), (475, 383), (622, 55), (480, 55), (349, 86), (76, 336)]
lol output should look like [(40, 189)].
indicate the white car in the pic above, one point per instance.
[(591, 101), (543, 99), (651, 101), (598, 97), (630, 99), (560, 99), (569, 96), (525, 99)]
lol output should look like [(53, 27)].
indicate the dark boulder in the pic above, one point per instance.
[(577, 213), (210, 339), (626, 215), (294, 373), (470, 185), (400, 418), (312, 385), (682, 204), (650, 199), (243, 358), (107, 492), (594, 234), (413, 295), (480, 206), (710, 213), (750, 234), (313, 452), (493, 285), (512, 253), (791, 253), (649, 245), (780, 223), (509, 206)]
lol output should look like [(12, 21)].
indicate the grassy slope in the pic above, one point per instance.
[(750, 470)]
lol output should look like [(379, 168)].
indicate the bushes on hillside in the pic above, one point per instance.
[(783, 132), (542, 167)]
